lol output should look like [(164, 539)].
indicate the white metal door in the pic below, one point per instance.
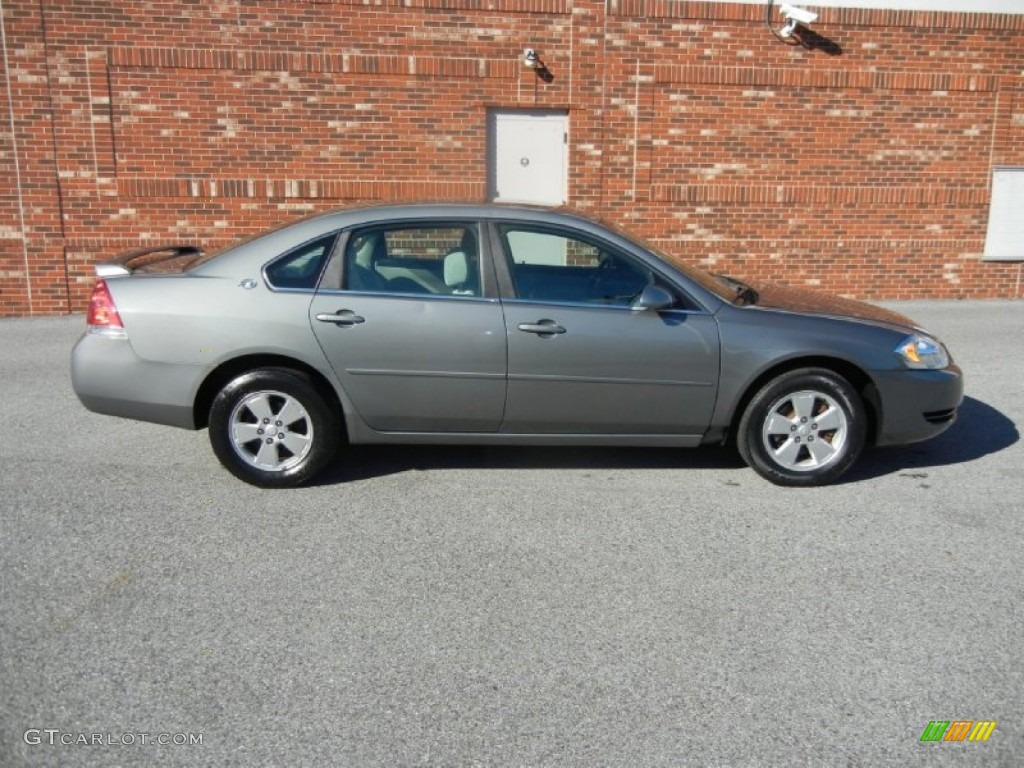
[(527, 156)]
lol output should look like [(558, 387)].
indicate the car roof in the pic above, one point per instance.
[(248, 256), (398, 211), (267, 244)]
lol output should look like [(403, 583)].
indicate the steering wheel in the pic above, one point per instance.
[(605, 266)]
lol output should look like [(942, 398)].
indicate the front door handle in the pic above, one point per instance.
[(543, 328), (343, 318)]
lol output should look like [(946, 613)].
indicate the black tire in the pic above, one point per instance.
[(780, 436), (302, 442)]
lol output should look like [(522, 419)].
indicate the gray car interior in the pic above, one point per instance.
[(372, 266)]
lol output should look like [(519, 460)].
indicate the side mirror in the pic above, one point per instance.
[(653, 298)]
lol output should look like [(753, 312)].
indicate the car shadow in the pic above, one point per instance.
[(980, 430), (363, 462)]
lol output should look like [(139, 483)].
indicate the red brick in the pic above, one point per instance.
[(862, 166)]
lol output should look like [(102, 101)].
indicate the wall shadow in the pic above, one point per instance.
[(814, 42)]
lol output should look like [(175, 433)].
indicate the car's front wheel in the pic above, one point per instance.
[(272, 428), (804, 427)]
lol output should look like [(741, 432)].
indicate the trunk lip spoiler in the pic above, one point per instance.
[(127, 262)]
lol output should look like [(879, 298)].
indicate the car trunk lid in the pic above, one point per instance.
[(160, 259)]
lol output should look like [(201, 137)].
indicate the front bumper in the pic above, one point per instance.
[(916, 405), (110, 378)]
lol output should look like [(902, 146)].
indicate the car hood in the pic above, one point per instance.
[(772, 296)]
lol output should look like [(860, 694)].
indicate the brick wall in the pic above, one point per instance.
[(861, 164)]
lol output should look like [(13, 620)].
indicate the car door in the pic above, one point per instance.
[(413, 328), (581, 359)]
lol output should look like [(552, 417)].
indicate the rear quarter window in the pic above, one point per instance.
[(301, 267)]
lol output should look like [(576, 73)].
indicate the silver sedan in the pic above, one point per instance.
[(494, 324)]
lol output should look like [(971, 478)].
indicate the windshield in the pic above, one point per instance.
[(725, 288)]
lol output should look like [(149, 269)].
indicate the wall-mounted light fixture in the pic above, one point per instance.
[(532, 60)]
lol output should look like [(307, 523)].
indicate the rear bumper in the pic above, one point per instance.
[(110, 378), (917, 405)]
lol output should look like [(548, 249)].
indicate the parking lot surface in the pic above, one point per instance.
[(507, 607)]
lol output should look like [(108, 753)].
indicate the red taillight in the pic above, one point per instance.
[(102, 312)]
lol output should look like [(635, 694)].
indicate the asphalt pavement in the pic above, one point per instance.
[(507, 606)]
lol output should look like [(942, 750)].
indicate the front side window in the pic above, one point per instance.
[(558, 267), (434, 259), (301, 268)]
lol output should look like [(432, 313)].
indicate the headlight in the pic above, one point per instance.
[(922, 353)]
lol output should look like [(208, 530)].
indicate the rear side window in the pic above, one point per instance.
[(441, 259), (300, 268)]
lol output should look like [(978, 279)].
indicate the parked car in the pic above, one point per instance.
[(486, 324)]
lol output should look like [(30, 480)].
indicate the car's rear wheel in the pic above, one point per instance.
[(805, 427), (272, 428)]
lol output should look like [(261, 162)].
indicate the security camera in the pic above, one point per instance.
[(530, 58), (799, 15), (794, 17)]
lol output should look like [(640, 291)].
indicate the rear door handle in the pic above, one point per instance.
[(543, 328), (343, 318)]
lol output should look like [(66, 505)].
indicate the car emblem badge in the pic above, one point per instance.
[(248, 283)]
